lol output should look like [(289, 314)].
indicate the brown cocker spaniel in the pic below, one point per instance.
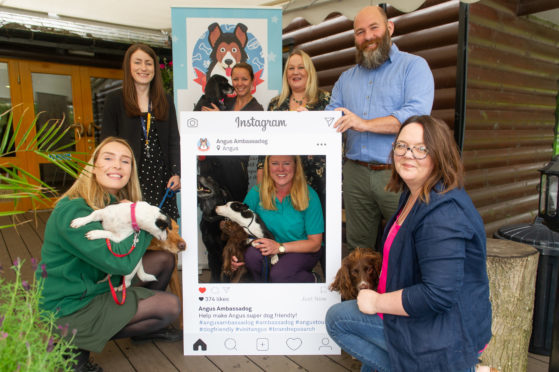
[(360, 270), (237, 243)]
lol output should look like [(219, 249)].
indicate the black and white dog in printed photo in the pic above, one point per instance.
[(251, 222)]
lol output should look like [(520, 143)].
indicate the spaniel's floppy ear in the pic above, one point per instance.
[(342, 283)]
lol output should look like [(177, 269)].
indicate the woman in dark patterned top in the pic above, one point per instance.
[(300, 93), (143, 115), (299, 90), (242, 78)]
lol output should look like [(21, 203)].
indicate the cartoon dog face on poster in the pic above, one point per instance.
[(210, 41), (221, 47)]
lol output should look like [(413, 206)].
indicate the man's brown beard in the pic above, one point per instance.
[(375, 58)]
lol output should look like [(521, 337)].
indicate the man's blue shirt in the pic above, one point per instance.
[(402, 87)]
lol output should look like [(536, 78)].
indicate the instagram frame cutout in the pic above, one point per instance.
[(255, 318)]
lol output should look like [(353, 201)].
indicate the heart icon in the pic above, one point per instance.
[(294, 343), (201, 298), (202, 289)]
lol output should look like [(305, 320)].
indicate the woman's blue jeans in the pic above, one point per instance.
[(360, 335)]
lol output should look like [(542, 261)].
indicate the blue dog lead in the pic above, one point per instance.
[(265, 270), (168, 194)]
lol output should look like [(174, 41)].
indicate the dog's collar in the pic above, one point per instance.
[(250, 233), (135, 226)]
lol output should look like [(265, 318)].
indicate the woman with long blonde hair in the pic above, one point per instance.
[(74, 267), (291, 210), (300, 92)]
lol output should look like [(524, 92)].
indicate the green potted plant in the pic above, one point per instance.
[(29, 337)]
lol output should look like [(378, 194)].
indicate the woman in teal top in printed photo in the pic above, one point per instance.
[(291, 210)]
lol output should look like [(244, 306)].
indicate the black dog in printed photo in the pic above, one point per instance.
[(228, 49), (210, 195), (217, 89)]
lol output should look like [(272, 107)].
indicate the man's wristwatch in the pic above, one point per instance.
[(281, 249)]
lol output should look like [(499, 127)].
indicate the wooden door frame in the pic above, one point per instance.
[(22, 98)]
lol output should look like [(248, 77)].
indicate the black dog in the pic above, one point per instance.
[(210, 195), (217, 89), (228, 49)]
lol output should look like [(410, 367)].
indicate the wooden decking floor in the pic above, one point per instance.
[(125, 355)]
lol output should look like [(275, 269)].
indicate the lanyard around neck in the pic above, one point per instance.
[(146, 123)]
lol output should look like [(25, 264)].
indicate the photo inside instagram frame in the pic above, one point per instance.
[(232, 218)]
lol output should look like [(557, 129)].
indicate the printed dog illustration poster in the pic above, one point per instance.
[(211, 41)]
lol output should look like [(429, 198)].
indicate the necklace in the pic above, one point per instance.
[(300, 103)]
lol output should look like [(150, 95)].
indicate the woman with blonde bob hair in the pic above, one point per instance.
[(76, 287), (291, 210), (431, 310)]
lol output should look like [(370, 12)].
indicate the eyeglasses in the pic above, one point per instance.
[(418, 151)]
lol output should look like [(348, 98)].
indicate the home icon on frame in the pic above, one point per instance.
[(199, 345)]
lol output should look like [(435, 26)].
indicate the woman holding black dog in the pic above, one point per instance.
[(231, 172), (242, 77), (431, 311), (291, 211), (75, 268), (144, 115)]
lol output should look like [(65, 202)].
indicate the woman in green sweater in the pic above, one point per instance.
[(75, 267)]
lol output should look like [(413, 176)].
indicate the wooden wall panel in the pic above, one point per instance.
[(513, 74), (512, 86)]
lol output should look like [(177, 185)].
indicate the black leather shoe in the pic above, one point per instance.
[(166, 334)]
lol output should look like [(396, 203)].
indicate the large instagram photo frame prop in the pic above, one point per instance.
[(258, 318)]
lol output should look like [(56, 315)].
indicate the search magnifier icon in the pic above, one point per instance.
[(230, 344)]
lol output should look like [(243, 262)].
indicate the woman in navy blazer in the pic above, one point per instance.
[(431, 310)]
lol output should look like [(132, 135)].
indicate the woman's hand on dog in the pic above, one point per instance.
[(213, 108), (366, 301), (235, 263), (175, 181), (266, 246)]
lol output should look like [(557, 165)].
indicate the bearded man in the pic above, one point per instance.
[(378, 94)]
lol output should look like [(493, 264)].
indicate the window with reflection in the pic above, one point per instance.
[(52, 95), (5, 103), (100, 87)]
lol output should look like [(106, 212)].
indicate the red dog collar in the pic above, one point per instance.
[(133, 217)]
